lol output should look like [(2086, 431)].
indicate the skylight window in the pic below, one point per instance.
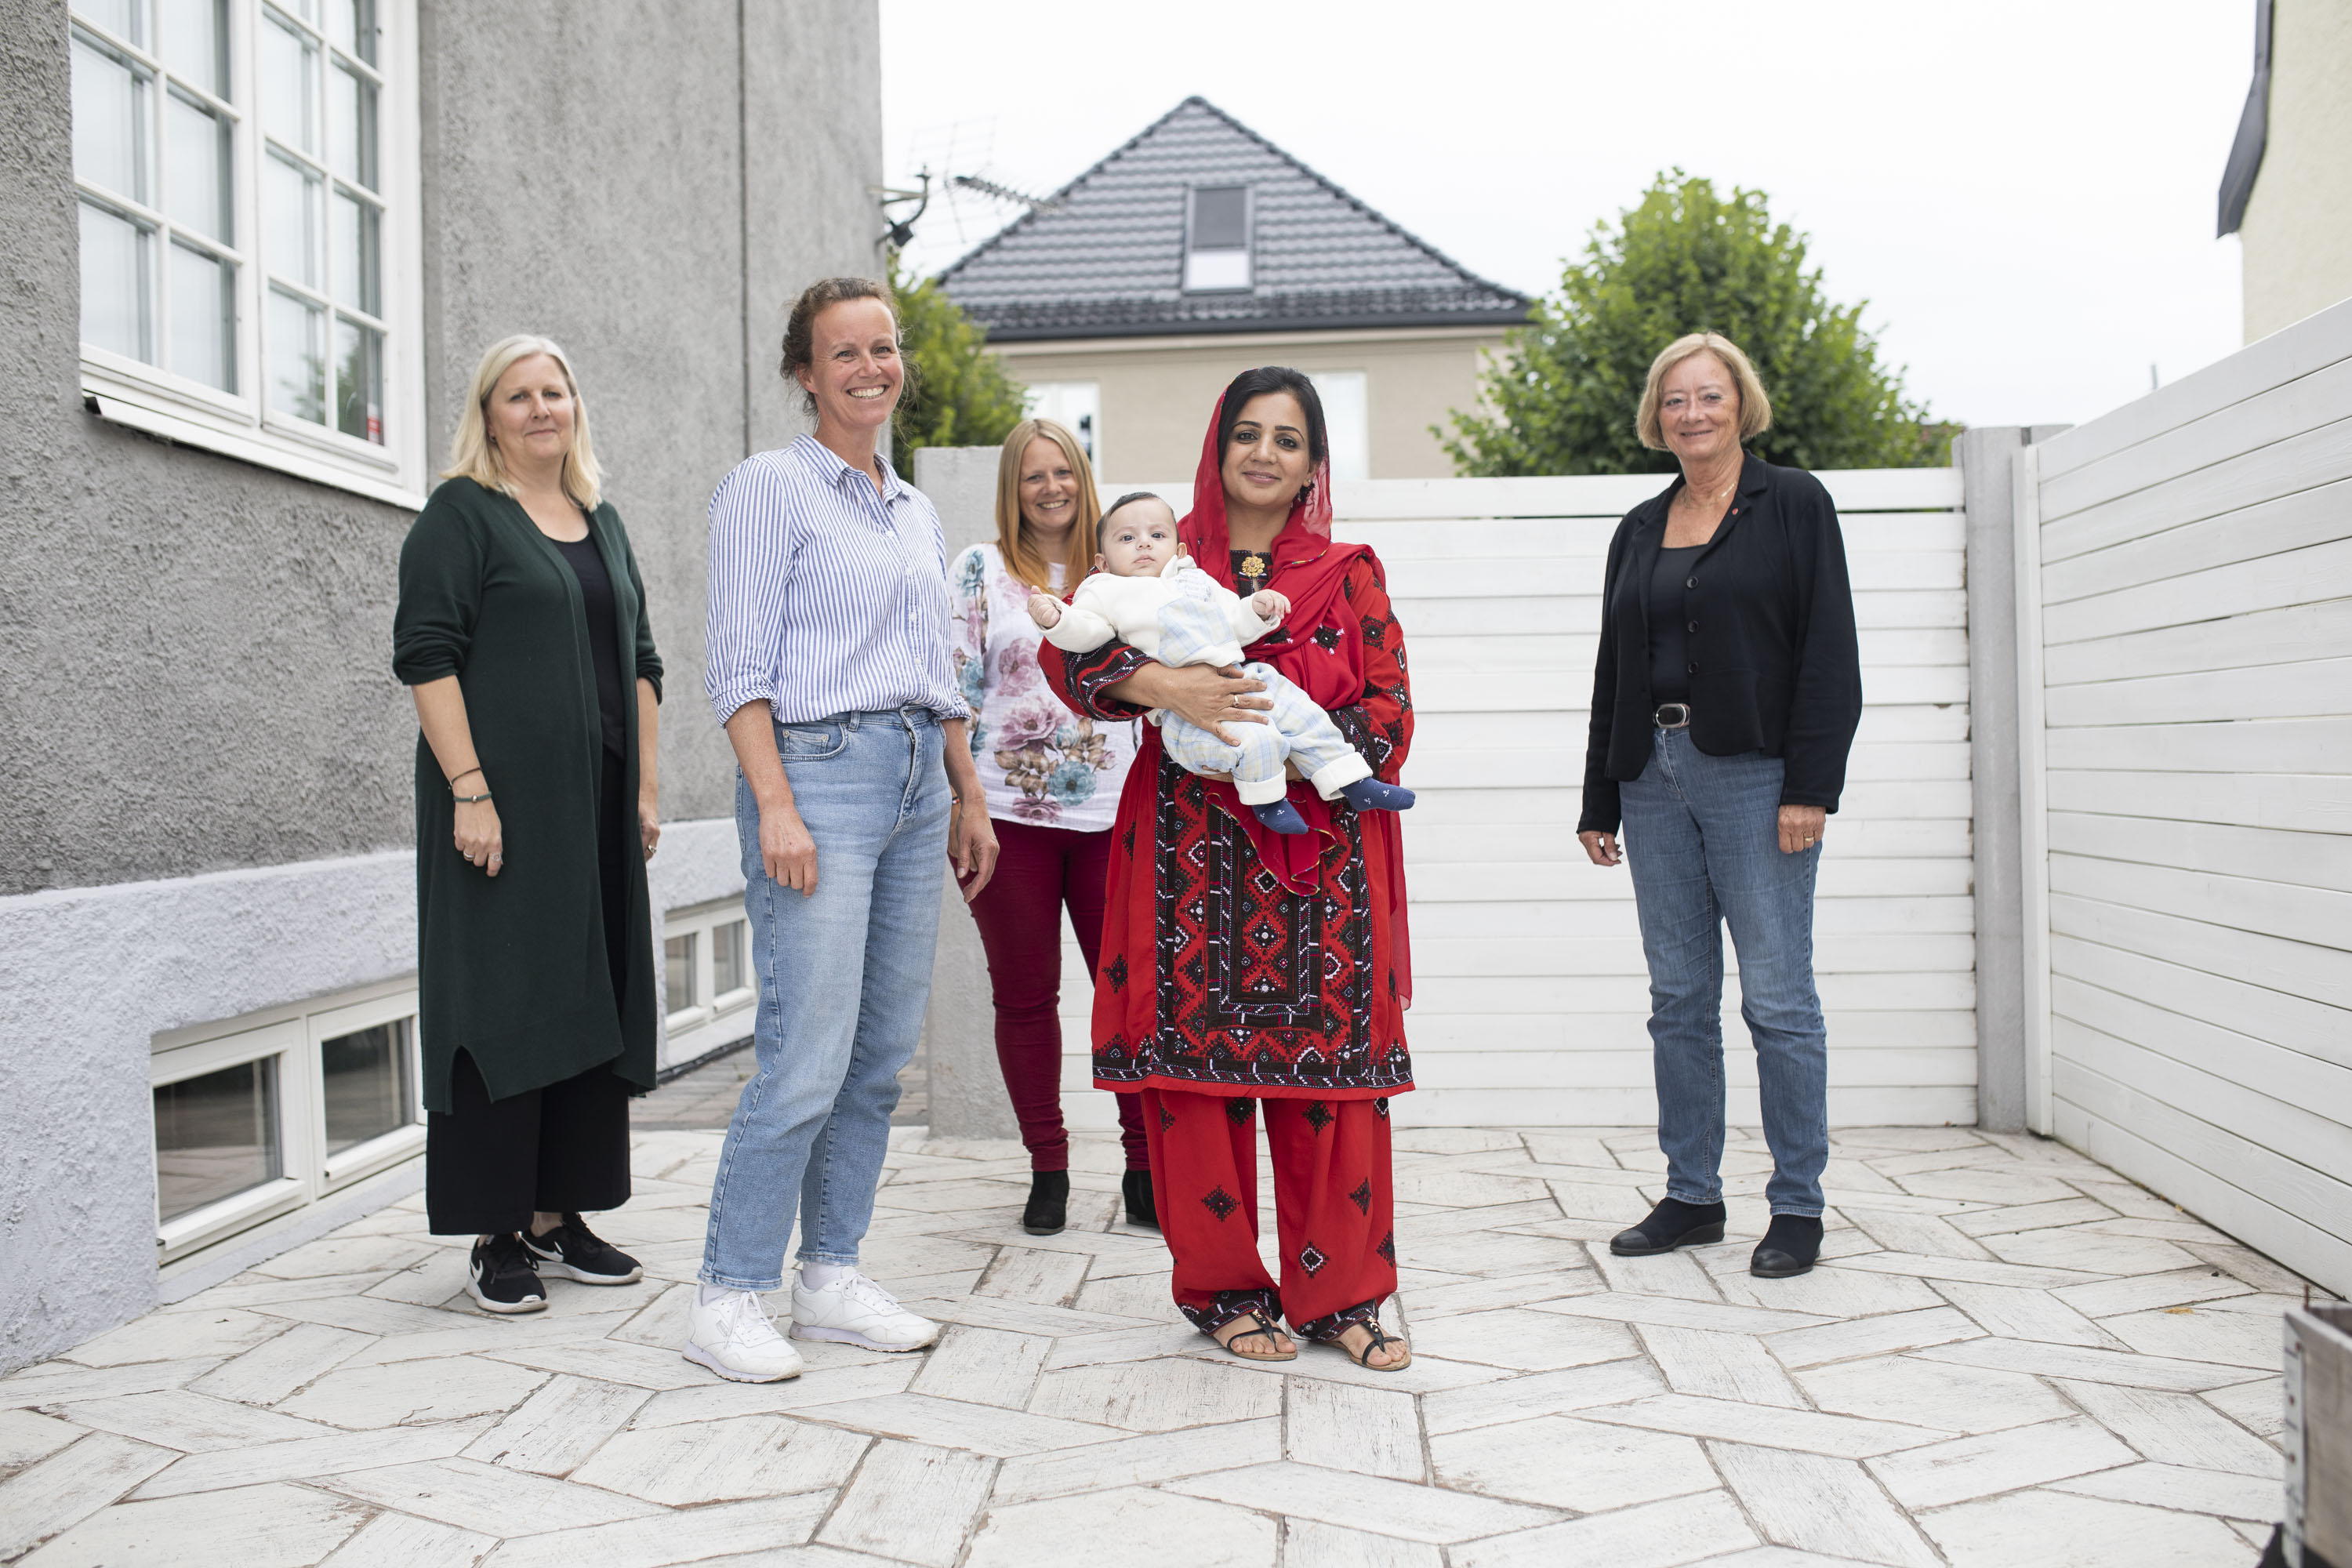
[(1217, 239)]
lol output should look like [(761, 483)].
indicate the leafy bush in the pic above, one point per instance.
[(959, 394), (1562, 397)]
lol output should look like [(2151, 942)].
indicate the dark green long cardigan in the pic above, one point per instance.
[(512, 969)]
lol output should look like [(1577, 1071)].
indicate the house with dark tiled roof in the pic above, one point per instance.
[(1132, 295)]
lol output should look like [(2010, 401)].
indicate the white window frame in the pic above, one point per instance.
[(176, 1237), (1246, 252), (381, 1153), (710, 1021), (292, 1036), (241, 425)]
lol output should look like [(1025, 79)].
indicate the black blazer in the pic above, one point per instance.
[(1777, 665)]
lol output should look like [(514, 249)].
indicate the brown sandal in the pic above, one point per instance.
[(1381, 1339), (1265, 1331)]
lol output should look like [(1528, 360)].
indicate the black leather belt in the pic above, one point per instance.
[(1672, 716)]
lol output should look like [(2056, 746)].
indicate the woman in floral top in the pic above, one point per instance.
[(1052, 779)]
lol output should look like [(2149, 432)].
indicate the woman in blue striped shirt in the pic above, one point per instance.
[(828, 661)]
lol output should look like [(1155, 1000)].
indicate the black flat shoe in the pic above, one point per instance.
[(1672, 1223), (1790, 1244), (1049, 1203), (1140, 1209)]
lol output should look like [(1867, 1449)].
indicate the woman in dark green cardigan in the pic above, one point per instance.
[(522, 630)]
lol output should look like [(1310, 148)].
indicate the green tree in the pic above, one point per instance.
[(959, 394), (1562, 396)]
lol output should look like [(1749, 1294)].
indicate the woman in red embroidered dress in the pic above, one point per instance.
[(1252, 976)]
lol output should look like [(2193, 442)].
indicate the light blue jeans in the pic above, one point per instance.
[(1702, 840), (844, 973)]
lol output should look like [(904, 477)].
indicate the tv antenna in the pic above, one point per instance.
[(1003, 193), (901, 230)]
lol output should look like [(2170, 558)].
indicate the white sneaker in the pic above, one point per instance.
[(855, 1310), (733, 1338)]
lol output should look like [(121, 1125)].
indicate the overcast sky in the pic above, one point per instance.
[(2023, 191)]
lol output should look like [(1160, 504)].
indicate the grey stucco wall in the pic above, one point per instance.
[(205, 756), (604, 198), (195, 648)]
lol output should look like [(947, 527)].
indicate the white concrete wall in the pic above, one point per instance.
[(2195, 618), (1530, 994)]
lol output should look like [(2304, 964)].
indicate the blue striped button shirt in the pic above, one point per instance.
[(825, 597)]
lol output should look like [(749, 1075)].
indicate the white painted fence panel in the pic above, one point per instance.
[(2196, 591), (1530, 994)]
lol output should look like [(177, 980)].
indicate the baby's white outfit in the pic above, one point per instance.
[(1184, 617)]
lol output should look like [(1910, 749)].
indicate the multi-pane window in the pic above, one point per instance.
[(323, 213), (707, 982), (246, 179), (153, 142), (258, 1117)]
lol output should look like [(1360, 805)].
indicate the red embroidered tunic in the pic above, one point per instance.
[(1216, 977)]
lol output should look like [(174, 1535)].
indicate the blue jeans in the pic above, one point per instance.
[(844, 973), (1701, 839)]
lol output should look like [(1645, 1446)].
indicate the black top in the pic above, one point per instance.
[(1670, 624), (511, 970), (1774, 665), (587, 564)]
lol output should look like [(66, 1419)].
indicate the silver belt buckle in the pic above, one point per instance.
[(1681, 720)]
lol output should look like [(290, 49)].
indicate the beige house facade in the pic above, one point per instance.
[(2293, 165), (1151, 396), (1128, 299)]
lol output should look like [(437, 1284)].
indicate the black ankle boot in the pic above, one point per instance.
[(1140, 1210), (1672, 1223), (1049, 1203), (1790, 1244)]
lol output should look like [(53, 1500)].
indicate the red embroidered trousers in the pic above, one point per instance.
[(1332, 1204)]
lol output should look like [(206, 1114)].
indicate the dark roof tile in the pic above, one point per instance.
[(1107, 257)]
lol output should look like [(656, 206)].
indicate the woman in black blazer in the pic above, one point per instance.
[(1725, 699)]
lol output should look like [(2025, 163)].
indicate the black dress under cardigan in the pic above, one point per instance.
[(513, 970), (1772, 659)]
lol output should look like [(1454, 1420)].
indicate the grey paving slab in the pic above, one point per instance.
[(2008, 1356)]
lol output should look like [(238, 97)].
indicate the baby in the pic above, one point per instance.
[(1148, 593)]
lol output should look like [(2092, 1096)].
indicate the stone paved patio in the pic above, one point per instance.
[(2010, 1357)]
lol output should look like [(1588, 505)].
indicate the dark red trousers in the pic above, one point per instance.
[(1333, 1220), (1039, 870)]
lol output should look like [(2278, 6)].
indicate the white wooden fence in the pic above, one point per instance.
[(2191, 555), (1530, 995)]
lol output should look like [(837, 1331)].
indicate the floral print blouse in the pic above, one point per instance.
[(1039, 762)]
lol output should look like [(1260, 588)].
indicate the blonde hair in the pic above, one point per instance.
[(473, 456), (1022, 559), (1755, 408)]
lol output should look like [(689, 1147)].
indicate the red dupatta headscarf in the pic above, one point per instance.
[(1309, 569)]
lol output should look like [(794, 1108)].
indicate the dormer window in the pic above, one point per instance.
[(1217, 239)]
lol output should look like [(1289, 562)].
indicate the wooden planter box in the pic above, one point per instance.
[(2319, 1436)]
